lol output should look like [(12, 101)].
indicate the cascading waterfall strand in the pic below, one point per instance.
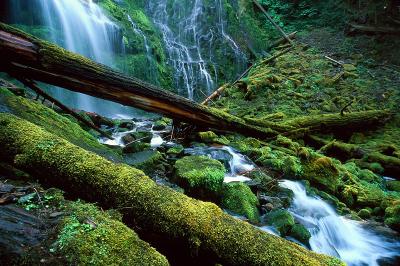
[(190, 41)]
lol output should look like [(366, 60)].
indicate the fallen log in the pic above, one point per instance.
[(282, 40), (326, 122), (27, 57), (347, 151), (202, 226), (373, 29)]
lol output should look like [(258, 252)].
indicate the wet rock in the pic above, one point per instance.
[(299, 232), (126, 123), (136, 146), (281, 220), (147, 161), (275, 202), (159, 125)]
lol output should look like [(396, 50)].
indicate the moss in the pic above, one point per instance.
[(207, 137), (136, 146), (148, 161), (200, 174), (54, 123), (393, 185), (88, 236), (392, 216), (299, 232), (176, 150), (364, 213), (160, 125), (281, 219), (155, 208), (238, 198), (323, 173)]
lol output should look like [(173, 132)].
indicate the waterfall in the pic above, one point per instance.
[(337, 236), (79, 26), (152, 68), (190, 39)]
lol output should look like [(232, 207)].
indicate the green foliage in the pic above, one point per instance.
[(88, 236), (238, 198)]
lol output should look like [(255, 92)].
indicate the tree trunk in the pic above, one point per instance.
[(202, 226), (25, 56)]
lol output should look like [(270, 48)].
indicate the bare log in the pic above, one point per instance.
[(27, 57), (202, 226)]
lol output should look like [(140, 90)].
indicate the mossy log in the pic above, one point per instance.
[(201, 225), (346, 151), (327, 122), (27, 57)]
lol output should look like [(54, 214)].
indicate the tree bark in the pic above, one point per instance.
[(25, 56), (202, 226)]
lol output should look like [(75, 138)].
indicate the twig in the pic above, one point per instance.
[(333, 60)]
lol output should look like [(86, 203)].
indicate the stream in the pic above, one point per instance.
[(356, 243)]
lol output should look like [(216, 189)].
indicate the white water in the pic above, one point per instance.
[(238, 166), (189, 43), (152, 68), (80, 26), (335, 235)]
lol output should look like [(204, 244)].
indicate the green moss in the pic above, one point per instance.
[(176, 150), (200, 173), (207, 137), (393, 185), (364, 213), (159, 125), (88, 236), (155, 208), (238, 198), (281, 219), (392, 216), (299, 232), (136, 146), (54, 123)]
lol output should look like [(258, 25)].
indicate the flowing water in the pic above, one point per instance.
[(338, 236), (80, 27), (189, 42), (151, 65)]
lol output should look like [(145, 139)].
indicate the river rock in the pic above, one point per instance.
[(238, 198), (136, 146), (200, 176)]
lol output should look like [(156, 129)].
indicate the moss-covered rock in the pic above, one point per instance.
[(207, 136), (88, 236), (364, 213), (136, 146), (299, 232), (238, 198), (393, 185), (200, 175), (392, 216), (160, 125), (176, 150), (281, 219)]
